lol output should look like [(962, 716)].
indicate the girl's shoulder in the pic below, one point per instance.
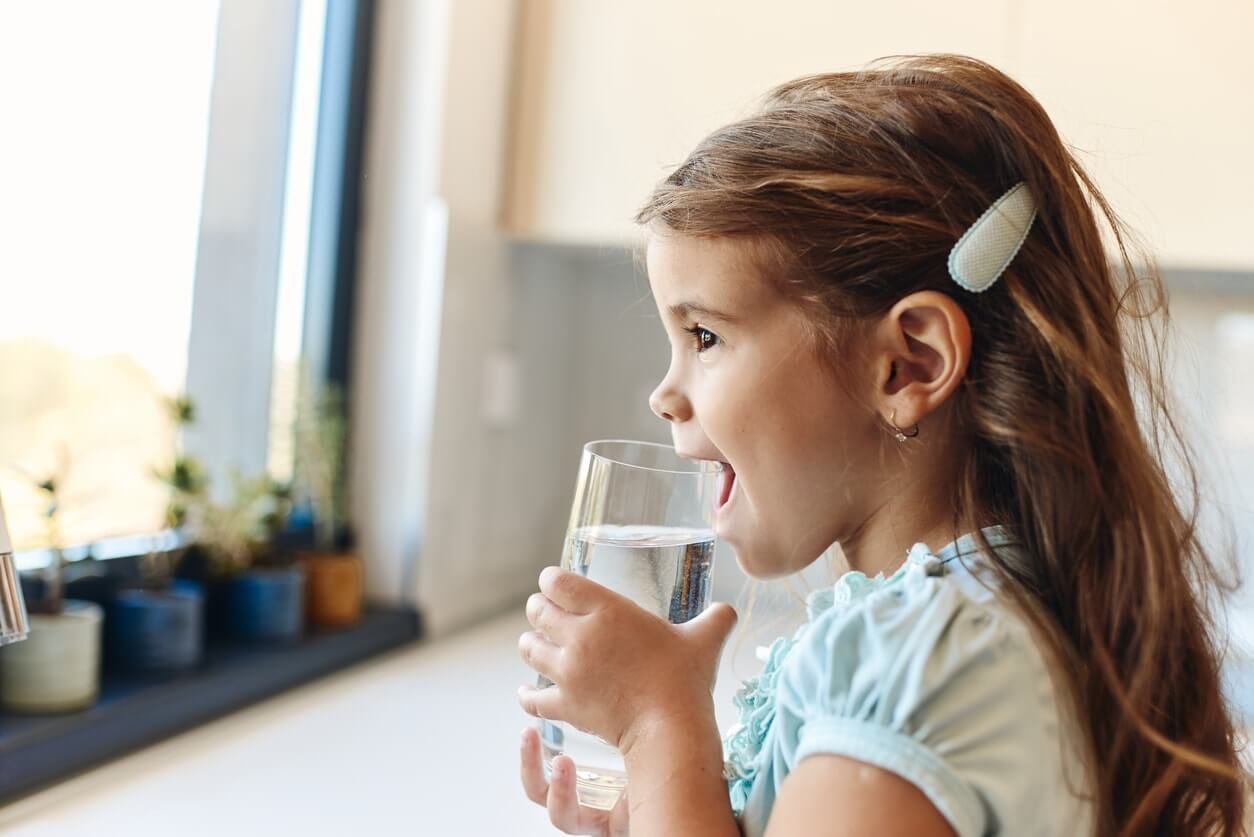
[(934, 675), (937, 624)]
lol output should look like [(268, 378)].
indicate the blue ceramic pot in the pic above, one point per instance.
[(268, 605), (157, 630)]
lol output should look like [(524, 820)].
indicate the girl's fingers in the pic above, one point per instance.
[(539, 653), (560, 797), (548, 618), (532, 768), (541, 703), (564, 810), (570, 591), (619, 825)]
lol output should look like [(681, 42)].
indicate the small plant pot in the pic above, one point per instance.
[(268, 605), (333, 588), (194, 565), (57, 668), (157, 631)]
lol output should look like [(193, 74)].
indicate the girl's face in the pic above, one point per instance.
[(746, 387)]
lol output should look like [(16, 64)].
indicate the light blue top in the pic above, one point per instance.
[(927, 674)]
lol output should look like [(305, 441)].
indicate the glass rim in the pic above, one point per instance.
[(701, 467)]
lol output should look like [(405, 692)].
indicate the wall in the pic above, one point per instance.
[(1151, 94), (482, 365), (1211, 367)]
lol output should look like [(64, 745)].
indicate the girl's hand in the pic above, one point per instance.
[(619, 671), (565, 812)]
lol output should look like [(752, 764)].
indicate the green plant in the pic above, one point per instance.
[(187, 483), (186, 478), (280, 499), (234, 532), (321, 436), (51, 487)]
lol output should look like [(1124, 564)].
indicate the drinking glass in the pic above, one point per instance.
[(640, 524)]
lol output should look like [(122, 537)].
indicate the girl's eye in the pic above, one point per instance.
[(703, 338)]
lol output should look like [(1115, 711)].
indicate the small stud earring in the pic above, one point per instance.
[(900, 434)]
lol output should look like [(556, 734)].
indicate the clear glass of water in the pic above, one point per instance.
[(640, 524)]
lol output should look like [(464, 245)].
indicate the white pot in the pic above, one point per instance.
[(57, 668)]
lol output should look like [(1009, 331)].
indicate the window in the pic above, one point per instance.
[(102, 166), (156, 227), (178, 214)]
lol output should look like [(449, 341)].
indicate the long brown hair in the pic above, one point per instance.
[(856, 186)]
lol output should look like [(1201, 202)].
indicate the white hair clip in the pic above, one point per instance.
[(985, 250)]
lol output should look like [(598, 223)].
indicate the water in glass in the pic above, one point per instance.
[(665, 570)]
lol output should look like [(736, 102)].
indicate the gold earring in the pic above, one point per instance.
[(900, 434)]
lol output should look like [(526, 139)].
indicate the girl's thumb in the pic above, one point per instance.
[(713, 625)]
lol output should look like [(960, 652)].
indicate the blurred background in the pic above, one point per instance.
[(307, 307)]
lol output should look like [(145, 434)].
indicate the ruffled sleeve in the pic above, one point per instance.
[(949, 693)]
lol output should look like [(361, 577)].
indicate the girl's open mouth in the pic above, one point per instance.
[(727, 481)]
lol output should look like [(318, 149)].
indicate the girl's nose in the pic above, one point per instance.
[(668, 404)]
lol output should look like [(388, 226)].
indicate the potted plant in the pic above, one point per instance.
[(252, 589), (334, 578), (266, 594), (157, 627), (57, 669)]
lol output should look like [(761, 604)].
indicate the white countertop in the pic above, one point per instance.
[(420, 742)]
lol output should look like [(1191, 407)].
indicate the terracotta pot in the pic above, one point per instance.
[(333, 588), (57, 669)]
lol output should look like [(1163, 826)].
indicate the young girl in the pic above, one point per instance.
[(893, 319)]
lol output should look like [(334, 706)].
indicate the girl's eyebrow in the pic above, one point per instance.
[(684, 310)]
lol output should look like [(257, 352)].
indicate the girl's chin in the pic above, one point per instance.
[(736, 526), (758, 559), (750, 562), (755, 559)]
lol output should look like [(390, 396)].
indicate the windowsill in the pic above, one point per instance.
[(131, 712)]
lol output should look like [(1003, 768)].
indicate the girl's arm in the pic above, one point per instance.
[(834, 796), (676, 787), (675, 779)]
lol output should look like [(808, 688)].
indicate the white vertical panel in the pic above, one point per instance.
[(233, 311), (399, 295)]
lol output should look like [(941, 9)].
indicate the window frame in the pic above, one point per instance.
[(240, 236)]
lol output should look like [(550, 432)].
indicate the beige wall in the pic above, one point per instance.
[(459, 506), (1153, 95)]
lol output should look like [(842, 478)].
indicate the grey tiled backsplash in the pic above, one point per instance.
[(1213, 381)]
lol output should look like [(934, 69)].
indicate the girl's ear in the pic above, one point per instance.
[(922, 347)]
